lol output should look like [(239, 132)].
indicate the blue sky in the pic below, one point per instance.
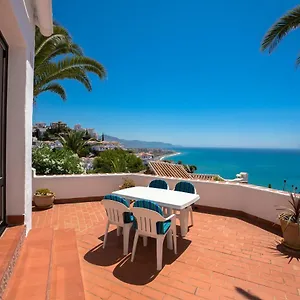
[(184, 72)]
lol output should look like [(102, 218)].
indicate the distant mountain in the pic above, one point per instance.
[(140, 144)]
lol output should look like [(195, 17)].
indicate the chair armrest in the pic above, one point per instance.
[(173, 216)]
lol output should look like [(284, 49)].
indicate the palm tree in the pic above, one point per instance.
[(74, 141), (118, 165), (287, 23), (57, 58)]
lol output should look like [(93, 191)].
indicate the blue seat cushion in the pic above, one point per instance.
[(116, 198), (186, 187), (161, 227), (159, 184), (127, 216), (149, 205)]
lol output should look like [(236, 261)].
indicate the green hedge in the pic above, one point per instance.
[(117, 161)]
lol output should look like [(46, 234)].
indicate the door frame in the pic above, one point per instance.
[(3, 127)]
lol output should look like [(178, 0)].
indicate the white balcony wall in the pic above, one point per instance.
[(254, 200), (79, 186), (17, 27)]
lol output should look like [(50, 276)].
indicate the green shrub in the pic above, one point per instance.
[(128, 183), (217, 178), (51, 162), (117, 161), (43, 192)]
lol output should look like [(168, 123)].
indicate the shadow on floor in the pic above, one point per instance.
[(281, 250), (246, 294), (112, 254), (34, 208), (143, 269)]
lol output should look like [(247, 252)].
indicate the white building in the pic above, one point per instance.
[(41, 130), (92, 133), (57, 145), (35, 142), (105, 145), (145, 157), (40, 125), (58, 124), (78, 127), (17, 30)]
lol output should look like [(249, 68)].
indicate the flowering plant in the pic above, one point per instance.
[(57, 161)]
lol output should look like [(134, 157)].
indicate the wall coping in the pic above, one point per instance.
[(244, 185)]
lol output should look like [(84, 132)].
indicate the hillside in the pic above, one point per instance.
[(140, 144)]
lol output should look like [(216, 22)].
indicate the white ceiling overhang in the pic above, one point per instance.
[(43, 16)]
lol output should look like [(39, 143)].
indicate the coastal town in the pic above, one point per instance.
[(96, 155), (51, 135)]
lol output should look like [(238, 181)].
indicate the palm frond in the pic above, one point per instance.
[(287, 23), (56, 88), (83, 78), (71, 68), (74, 65), (73, 141), (297, 63), (58, 32), (85, 63), (69, 73), (292, 213), (59, 47), (52, 39), (69, 63), (98, 70)]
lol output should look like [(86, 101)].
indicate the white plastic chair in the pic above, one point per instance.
[(183, 215), (115, 213), (159, 184), (146, 220)]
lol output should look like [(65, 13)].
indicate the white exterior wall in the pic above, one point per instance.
[(76, 186), (16, 25), (254, 200)]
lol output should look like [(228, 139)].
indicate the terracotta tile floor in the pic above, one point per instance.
[(220, 258)]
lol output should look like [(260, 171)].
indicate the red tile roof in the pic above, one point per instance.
[(169, 170), (206, 176)]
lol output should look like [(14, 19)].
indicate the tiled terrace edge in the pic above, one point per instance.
[(14, 238), (262, 223), (245, 199)]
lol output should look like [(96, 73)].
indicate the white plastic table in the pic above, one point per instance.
[(166, 198)]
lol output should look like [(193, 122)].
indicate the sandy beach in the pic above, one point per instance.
[(166, 156)]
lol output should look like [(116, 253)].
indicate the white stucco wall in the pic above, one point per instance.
[(16, 25), (257, 201)]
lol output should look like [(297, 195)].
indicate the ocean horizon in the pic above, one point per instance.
[(264, 165)]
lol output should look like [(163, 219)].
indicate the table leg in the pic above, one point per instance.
[(184, 216), (169, 235)]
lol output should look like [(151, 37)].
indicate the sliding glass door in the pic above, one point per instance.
[(3, 99)]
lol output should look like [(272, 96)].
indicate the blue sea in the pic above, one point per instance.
[(264, 166)]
